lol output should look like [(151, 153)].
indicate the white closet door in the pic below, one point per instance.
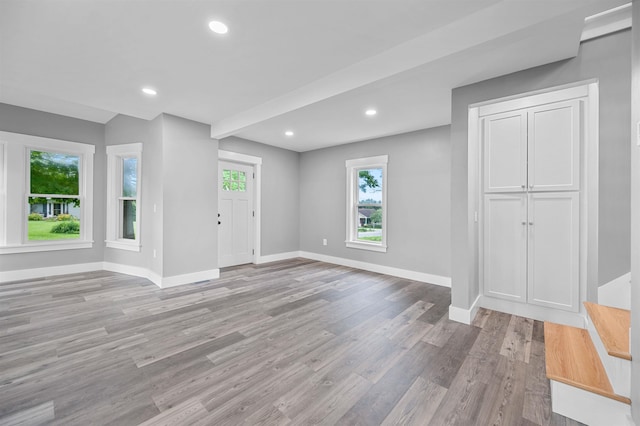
[(505, 152), (554, 147), (505, 246), (554, 244)]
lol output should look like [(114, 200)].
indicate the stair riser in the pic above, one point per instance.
[(618, 369), (587, 407)]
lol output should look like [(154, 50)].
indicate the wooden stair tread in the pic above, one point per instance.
[(612, 325), (571, 358)]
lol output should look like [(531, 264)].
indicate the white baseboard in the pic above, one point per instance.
[(540, 313), (380, 269), (462, 315), (32, 273), (277, 257), (193, 277), (136, 271), (616, 293)]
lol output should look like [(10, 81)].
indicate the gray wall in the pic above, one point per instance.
[(280, 196), (37, 123), (605, 58), (190, 197), (635, 223), (418, 235), (122, 130)]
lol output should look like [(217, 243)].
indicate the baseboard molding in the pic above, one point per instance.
[(33, 273), (380, 269), (540, 313), (277, 257), (136, 271), (616, 293), (587, 407), (462, 315)]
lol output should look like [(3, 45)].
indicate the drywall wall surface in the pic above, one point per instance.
[(635, 221), (152, 198), (418, 193), (190, 198), (606, 59), (121, 130), (280, 198), (37, 123)]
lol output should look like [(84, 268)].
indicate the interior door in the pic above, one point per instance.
[(505, 152), (235, 215), (505, 246), (554, 250)]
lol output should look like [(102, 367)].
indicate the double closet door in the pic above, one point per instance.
[(531, 205)]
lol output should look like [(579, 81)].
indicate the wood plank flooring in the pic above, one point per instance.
[(295, 342)]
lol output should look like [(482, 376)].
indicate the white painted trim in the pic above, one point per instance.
[(616, 293), (193, 277), (135, 271), (257, 193), (366, 246), (33, 273), (462, 315), (123, 245), (540, 313), (277, 257), (380, 269), (368, 161), (587, 407), (237, 157), (607, 22), (48, 246)]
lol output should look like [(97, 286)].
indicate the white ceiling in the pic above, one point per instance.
[(312, 66)]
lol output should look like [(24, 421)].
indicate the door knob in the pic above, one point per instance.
[(219, 222), (530, 223)]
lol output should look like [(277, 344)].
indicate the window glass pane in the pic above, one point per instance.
[(52, 173), (234, 186), (370, 223), (128, 219), (243, 177), (370, 186), (53, 219), (226, 186), (242, 186), (129, 176), (226, 174), (234, 174)]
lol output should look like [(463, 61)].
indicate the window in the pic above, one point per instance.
[(234, 180), (123, 192), (46, 186), (367, 203)]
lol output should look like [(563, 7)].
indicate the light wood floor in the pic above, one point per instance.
[(295, 342)]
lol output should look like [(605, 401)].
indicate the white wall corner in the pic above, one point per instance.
[(616, 293), (191, 278), (462, 315), (380, 269)]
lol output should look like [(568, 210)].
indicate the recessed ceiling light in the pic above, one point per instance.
[(149, 91), (218, 27), (288, 133), (371, 112)]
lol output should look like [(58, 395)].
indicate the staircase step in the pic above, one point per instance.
[(612, 325), (572, 359)]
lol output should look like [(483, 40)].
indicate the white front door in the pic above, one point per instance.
[(235, 213)]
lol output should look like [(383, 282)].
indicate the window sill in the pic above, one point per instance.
[(367, 246), (123, 245), (46, 246)]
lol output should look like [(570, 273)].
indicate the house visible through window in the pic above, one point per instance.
[(123, 196), (366, 204), (47, 194)]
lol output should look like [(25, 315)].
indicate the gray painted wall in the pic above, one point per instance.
[(122, 130), (605, 58), (280, 196), (635, 223), (190, 197), (418, 200), (37, 123)]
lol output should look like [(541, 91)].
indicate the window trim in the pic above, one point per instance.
[(115, 156), (353, 166), (16, 149)]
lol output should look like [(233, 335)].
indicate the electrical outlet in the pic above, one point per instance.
[(324, 241)]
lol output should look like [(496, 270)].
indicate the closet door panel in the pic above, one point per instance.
[(553, 253), (505, 246), (554, 147), (505, 152)]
